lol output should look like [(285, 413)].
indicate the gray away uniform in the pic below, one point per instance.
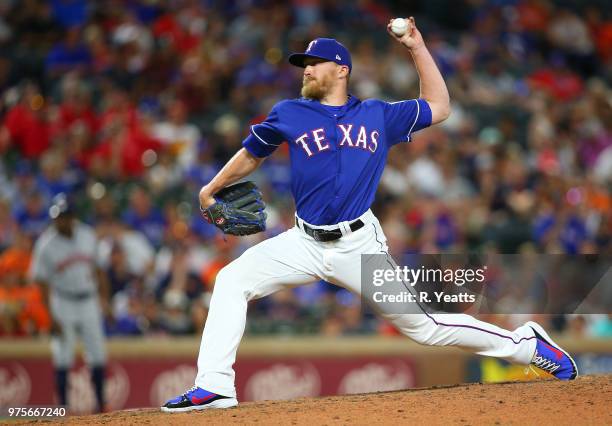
[(68, 266)]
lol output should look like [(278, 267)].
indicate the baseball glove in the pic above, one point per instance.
[(238, 210)]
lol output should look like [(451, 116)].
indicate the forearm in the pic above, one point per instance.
[(5, 138), (239, 166), (45, 294), (432, 86), (103, 285)]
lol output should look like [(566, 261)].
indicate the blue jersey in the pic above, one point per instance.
[(337, 153)]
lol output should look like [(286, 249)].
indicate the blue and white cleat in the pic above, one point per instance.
[(198, 399), (550, 357)]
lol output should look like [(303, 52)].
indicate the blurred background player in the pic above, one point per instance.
[(64, 264)]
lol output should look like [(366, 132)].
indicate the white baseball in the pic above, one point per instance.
[(399, 26)]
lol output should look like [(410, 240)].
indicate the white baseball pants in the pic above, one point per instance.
[(293, 258)]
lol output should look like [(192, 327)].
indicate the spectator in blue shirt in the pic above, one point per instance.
[(70, 13), (142, 216), (32, 217), (69, 54)]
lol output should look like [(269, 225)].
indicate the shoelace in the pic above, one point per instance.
[(545, 363), (191, 389), (530, 368)]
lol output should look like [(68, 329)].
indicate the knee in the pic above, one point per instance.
[(420, 328), (230, 275), (230, 280), (97, 360), (223, 276)]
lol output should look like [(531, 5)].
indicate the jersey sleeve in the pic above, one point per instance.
[(39, 267), (265, 137), (96, 249), (404, 118)]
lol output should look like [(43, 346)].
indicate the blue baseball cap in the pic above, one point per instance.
[(323, 48)]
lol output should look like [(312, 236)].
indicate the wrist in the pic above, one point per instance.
[(206, 198), (418, 49), (205, 192)]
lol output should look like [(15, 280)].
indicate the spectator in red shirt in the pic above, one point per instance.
[(563, 84), (76, 106), (25, 126), (116, 103), (184, 38), (601, 32), (125, 152)]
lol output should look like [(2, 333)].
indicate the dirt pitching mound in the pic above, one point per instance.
[(583, 401)]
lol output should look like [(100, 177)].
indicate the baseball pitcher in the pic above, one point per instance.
[(338, 148)]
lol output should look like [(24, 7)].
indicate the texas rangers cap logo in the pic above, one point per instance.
[(311, 45), (323, 48)]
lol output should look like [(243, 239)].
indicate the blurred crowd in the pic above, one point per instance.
[(131, 106)]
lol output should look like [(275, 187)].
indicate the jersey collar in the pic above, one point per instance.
[(350, 103)]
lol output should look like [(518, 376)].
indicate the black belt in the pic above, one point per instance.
[(75, 297), (327, 235)]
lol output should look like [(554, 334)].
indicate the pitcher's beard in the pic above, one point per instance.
[(312, 89)]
